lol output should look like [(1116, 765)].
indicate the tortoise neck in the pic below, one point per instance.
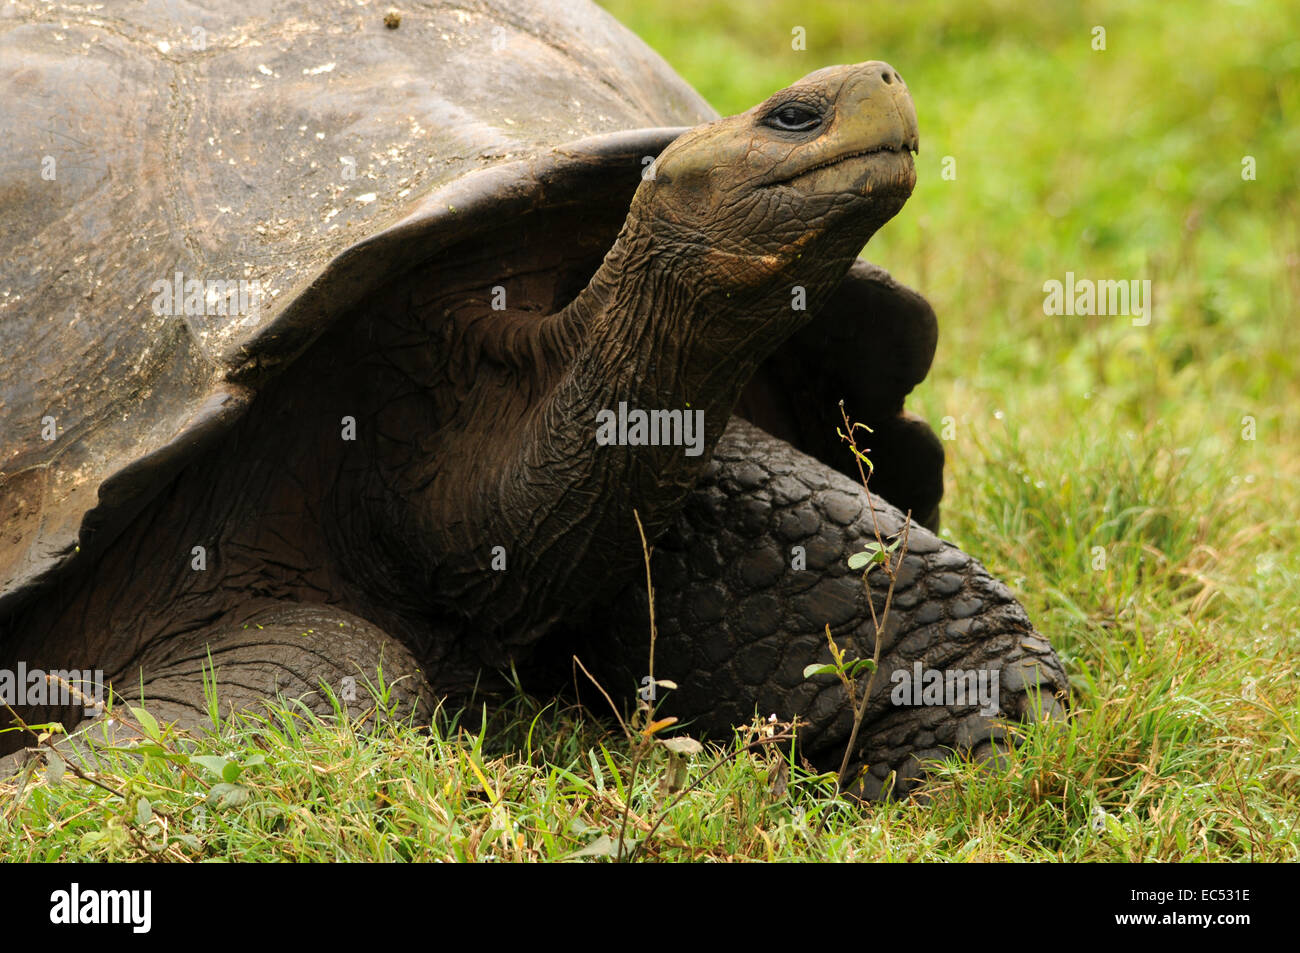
[(649, 332), (651, 368)]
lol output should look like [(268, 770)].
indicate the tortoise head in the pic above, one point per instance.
[(809, 174)]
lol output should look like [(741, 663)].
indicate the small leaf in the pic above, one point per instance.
[(659, 725), (226, 795), (665, 683), (779, 778), (54, 768), (858, 560), (148, 723), (143, 811), (818, 669), (231, 772), (836, 652), (214, 763), (860, 666), (683, 745), (871, 467), (604, 846)]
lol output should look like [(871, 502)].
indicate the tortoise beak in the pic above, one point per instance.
[(877, 110)]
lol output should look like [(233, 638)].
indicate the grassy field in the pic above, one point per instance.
[(1135, 484)]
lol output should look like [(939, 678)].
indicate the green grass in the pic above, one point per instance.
[(1098, 467)]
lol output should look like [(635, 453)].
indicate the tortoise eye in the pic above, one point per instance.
[(793, 117)]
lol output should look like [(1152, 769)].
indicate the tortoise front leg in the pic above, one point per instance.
[(738, 622)]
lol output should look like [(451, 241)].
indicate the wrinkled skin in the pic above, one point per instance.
[(475, 441)]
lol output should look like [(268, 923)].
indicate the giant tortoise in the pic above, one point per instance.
[(329, 345)]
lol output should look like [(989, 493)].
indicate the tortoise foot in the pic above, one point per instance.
[(755, 570)]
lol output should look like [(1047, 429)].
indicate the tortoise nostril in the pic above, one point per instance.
[(886, 77)]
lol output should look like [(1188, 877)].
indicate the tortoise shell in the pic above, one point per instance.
[(190, 199)]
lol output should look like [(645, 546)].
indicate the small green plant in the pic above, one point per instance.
[(889, 557)]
